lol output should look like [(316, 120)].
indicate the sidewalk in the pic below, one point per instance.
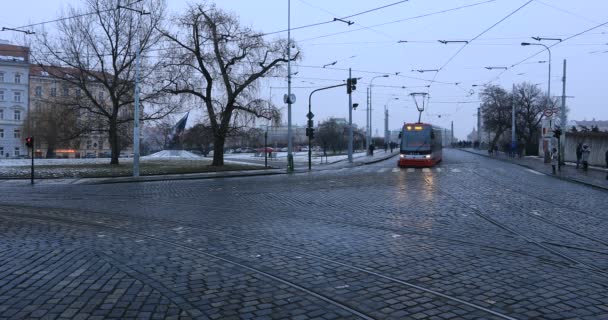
[(594, 177)]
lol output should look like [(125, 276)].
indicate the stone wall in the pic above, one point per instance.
[(597, 141)]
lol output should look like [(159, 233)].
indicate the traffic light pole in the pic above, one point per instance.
[(32, 177), (310, 116), (350, 119)]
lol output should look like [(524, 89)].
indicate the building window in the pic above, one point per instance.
[(38, 91), (17, 115), (1, 133), (17, 78), (1, 114), (78, 92), (89, 144), (17, 134), (53, 92), (100, 144), (101, 96), (1, 76), (66, 92), (17, 96), (37, 106), (1, 95), (1, 151), (16, 151)]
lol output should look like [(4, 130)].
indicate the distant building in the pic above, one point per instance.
[(49, 91), (14, 101)]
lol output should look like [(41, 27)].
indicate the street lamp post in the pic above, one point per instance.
[(371, 83), (289, 102), (386, 132), (545, 146), (136, 111)]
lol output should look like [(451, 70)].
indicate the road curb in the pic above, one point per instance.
[(379, 160), (592, 185), (236, 174)]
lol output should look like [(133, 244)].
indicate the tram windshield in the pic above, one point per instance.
[(416, 141)]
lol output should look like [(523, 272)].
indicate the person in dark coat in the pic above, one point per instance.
[(606, 164), (579, 153), (586, 153)]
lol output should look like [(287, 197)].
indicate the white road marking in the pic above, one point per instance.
[(396, 235), (382, 170), (456, 170), (342, 287), (396, 170), (411, 169), (426, 170), (535, 172), (438, 169), (535, 212)]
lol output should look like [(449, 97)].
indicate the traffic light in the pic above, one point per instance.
[(29, 142), (557, 133), (351, 85), (310, 133)]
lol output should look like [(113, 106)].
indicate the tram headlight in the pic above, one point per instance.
[(401, 156), (428, 156)]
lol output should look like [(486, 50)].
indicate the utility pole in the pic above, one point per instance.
[(386, 135), (367, 127), (563, 119), (513, 120), (452, 134), (136, 115), (289, 133), (350, 118), (479, 126)]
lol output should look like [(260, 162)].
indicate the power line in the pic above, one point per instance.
[(479, 35), (550, 46), (402, 20), (331, 21)]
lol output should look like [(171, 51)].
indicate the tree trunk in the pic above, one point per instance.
[(218, 151), (50, 152), (114, 141)]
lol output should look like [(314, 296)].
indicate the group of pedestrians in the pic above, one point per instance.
[(583, 151)]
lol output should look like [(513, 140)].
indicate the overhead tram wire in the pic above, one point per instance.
[(332, 21), (376, 72), (550, 46), (478, 36), (402, 20), (334, 14)]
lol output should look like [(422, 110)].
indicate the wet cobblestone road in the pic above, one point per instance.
[(473, 238)]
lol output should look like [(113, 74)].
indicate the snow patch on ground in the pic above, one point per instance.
[(172, 154)]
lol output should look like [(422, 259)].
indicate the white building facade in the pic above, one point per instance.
[(14, 97)]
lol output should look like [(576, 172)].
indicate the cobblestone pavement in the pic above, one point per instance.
[(472, 238)]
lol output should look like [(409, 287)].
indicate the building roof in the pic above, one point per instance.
[(9, 52)]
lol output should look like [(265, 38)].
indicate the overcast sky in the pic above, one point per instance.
[(370, 47)]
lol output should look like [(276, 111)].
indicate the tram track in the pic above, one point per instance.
[(341, 305), (558, 225), (505, 227)]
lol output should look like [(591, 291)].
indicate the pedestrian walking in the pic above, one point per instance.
[(579, 153), (553, 159), (371, 150), (606, 164), (585, 156), (385, 147)]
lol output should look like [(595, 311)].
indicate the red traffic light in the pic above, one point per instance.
[(29, 142)]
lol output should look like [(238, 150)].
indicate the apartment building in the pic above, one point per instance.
[(14, 74)]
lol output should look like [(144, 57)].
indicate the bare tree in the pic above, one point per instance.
[(530, 102), (496, 107), (55, 126), (95, 51), (215, 59)]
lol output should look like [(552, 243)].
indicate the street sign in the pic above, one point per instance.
[(289, 98), (548, 112)]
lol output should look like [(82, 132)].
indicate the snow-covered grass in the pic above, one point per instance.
[(81, 168)]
